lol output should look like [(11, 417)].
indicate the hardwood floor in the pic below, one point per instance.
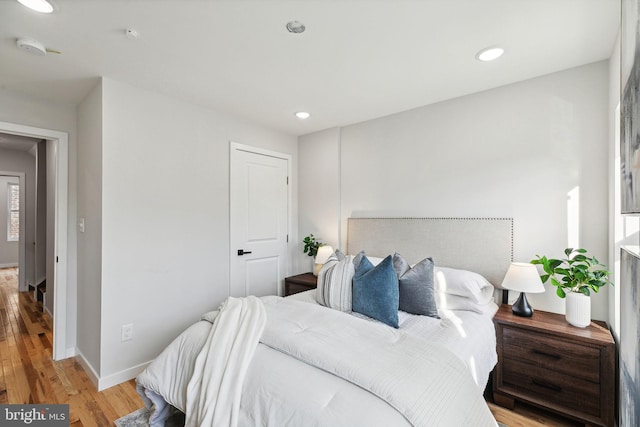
[(528, 416), (29, 375)]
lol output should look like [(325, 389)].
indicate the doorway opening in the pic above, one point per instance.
[(57, 145)]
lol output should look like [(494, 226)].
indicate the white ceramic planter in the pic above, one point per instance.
[(578, 309)]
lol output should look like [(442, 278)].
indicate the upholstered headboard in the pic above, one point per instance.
[(483, 245)]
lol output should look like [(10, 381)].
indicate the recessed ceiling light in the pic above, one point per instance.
[(303, 115), (489, 54), (38, 5), (295, 27)]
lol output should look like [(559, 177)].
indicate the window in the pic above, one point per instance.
[(13, 213)]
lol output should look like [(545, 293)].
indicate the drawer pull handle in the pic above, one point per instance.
[(544, 353), (545, 384)]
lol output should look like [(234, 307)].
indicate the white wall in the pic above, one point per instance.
[(26, 110), (90, 242), (165, 218), (22, 161), (319, 191), (515, 151), (8, 249)]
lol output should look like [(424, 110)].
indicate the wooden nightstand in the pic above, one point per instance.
[(300, 283), (545, 361)]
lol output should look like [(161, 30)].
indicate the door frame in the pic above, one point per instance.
[(234, 147), (61, 141)]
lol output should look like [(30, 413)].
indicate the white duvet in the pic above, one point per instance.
[(320, 367), (469, 334)]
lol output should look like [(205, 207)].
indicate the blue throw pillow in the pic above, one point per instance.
[(375, 291)]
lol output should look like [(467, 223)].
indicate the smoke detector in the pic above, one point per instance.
[(131, 34), (31, 46)]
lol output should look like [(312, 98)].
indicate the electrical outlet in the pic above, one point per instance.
[(127, 332)]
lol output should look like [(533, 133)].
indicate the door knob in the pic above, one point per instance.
[(243, 252)]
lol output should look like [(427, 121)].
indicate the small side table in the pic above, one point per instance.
[(545, 361), (299, 283)]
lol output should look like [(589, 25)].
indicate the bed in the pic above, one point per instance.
[(316, 362)]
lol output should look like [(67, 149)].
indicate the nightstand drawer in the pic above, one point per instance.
[(299, 283), (295, 288), (554, 389), (553, 354)]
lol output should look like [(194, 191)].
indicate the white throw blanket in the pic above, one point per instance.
[(214, 391)]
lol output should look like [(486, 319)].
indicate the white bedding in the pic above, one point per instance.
[(283, 391), (468, 334)]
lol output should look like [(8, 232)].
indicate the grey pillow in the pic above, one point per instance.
[(416, 286), (357, 259)]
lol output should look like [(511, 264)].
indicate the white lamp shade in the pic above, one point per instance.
[(324, 252), (523, 277)]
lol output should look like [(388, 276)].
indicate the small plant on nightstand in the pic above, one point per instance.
[(578, 272), (311, 245), (575, 277)]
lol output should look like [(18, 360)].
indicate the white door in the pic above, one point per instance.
[(259, 221)]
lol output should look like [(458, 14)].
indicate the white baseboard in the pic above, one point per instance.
[(88, 369), (9, 265), (71, 352), (102, 383), (122, 376)]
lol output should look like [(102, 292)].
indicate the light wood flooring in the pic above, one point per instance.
[(29, 375)]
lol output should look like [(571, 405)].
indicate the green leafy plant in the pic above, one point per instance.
[(311, 245), (578, 272)]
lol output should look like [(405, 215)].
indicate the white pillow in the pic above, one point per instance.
[(374, 261), (463, 283), (334, 283), (456, 302)]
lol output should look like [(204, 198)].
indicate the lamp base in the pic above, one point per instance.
[(317, 268), (522, 307)]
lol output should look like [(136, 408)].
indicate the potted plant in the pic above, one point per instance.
[(311, 246), (575, 277)]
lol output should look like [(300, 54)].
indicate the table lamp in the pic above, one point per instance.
[(522, 277), (324, 252)]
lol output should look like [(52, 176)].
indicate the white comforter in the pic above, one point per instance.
[(321, 367)]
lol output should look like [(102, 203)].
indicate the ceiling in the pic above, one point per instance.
[(357, 59)]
